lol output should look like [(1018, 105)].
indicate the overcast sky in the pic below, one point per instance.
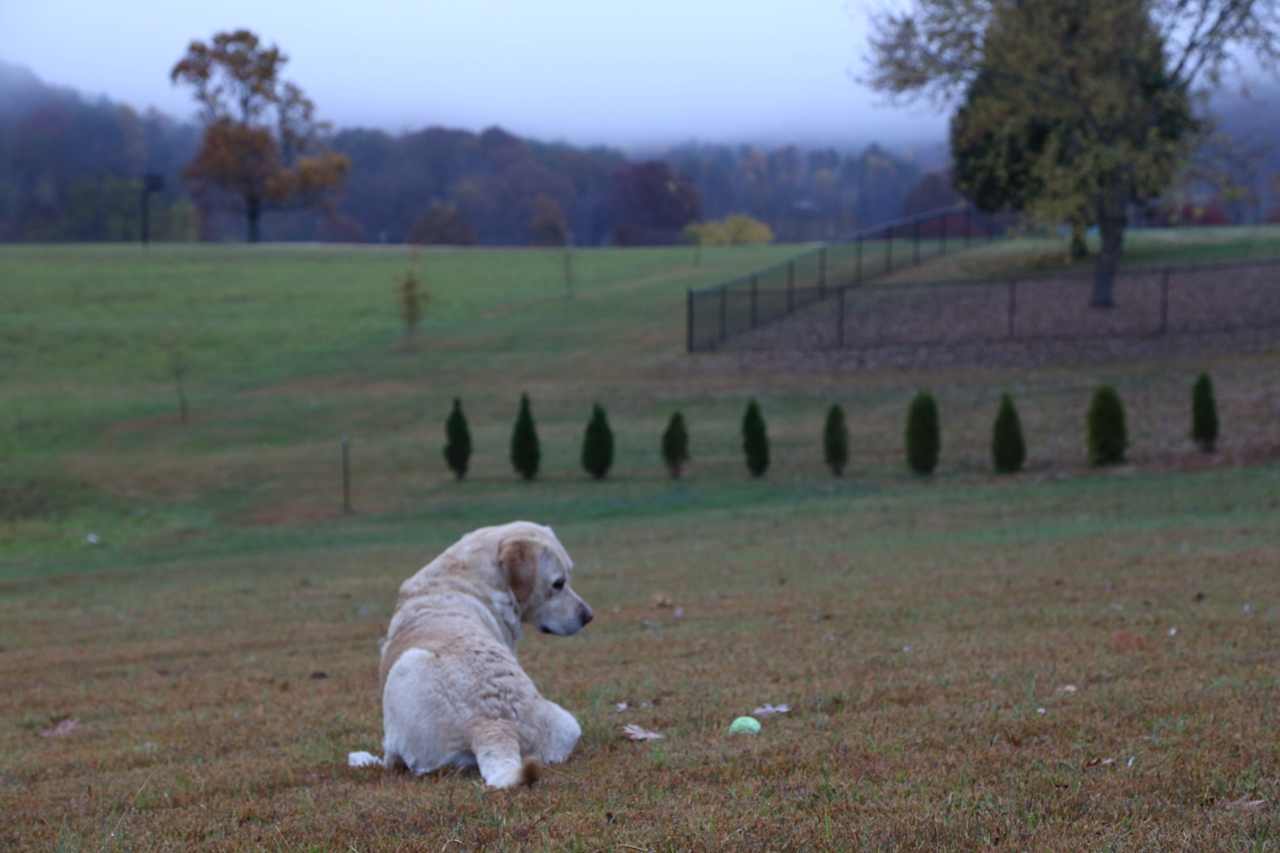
[(626, 72)]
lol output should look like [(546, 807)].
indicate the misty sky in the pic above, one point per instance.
[(586, 71)]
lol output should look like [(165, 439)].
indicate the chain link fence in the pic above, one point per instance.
[(1150, 302), (718, 313)]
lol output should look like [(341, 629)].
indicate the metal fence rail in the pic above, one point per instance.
[(720, 312)]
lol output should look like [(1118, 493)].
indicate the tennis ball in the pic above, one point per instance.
[(745, 726)]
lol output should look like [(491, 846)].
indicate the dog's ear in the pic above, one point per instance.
[(518, 559)]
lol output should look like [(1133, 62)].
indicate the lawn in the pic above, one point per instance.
[(1062, 659)]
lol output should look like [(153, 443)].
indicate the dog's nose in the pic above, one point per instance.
[(586, 615)]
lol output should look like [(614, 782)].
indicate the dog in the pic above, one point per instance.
[(452, 691)]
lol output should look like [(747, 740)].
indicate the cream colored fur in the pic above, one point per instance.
[(452, 690)]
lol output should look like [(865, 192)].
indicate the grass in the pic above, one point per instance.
[(218, 645), (1032, 256)]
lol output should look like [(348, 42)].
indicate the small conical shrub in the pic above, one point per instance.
[(1108, 436), (1204, 414), (675, 445), (525, 452), (457, 438), (597, 444), (923, 435), (755, 440), (835, 441), (1008, 449)]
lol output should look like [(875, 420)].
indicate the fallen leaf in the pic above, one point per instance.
[(1067, 689), (317, 675), (661, 600), (768, 710), (62, 728), (1244, 804), (620, 707), (633, 732)]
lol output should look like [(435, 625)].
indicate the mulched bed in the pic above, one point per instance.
[(1202, 310)]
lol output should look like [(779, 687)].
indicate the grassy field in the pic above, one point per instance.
[(1063, 659)]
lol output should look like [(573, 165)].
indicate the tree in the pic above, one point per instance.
[(923, 434), (835, 440), (1008, 448), (652, 204), (1108, 437), (443, 224), (934, 191), (457, 446), (547, 225), (1113, 77), (526, 453), (410, 302), (755, 440), (675, 445), (736, 230), (261, 137), (597, 444), (1204, 414)]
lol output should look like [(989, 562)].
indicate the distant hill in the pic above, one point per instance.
[(69, 168)]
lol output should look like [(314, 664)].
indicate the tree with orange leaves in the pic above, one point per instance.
[(261, 138)]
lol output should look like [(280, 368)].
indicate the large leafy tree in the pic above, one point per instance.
[(1101, 89), (261, 142), (652, 204)]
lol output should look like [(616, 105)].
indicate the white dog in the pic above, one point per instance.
[(452, 691)]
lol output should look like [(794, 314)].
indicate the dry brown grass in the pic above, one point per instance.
[(925, 642)]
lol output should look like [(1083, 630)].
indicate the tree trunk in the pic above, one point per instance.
[(1112, 221), (253, 213), (1079, 245)]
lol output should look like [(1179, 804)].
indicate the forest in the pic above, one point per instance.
[(72, 169)]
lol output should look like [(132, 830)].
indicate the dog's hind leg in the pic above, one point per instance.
[(557, 733), (497, 751)]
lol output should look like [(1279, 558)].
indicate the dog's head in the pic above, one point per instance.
[(537, 567)]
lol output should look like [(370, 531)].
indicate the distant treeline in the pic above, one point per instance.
[(71, 169)]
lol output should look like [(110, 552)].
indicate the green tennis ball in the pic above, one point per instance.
[(745, 726)]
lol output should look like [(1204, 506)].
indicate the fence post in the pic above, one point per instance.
[(1164, 302), (724, 300), (915, 249), (791, 285), (945, 217), (822, 267), (968, 226), (840, 317), (346, 476), (857, 278), (1013, 304), (753, 301), (688, 321), (889, 252)]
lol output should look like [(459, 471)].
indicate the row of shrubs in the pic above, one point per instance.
[(1106, 433)]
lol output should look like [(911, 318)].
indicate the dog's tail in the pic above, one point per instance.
[(530, 772), (363, 759)]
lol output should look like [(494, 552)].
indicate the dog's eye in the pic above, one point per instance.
[(558, 585)]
